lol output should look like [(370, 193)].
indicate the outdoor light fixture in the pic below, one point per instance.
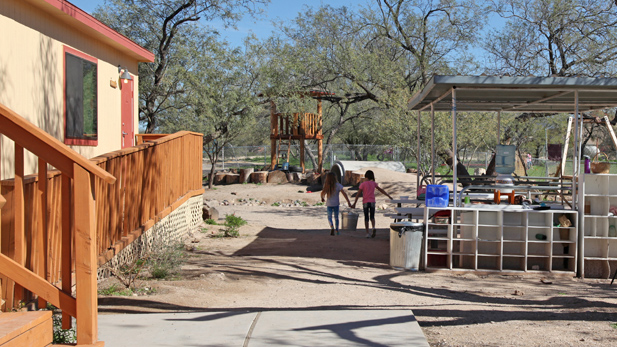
[(125, 76)]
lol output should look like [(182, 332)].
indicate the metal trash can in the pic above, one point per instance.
[(406, 245), (349, 221)]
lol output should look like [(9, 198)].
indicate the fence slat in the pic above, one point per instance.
[(66, 243), (18, 217), (40, 249)]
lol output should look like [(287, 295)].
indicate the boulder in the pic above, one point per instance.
[(210, 213), (277, 177), (313, 178)]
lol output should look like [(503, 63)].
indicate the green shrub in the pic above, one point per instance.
[(165, 262), (211, 222), (232, 225)]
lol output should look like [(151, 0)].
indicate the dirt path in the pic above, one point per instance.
[(286, 259)]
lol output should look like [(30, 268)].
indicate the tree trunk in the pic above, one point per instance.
[(461, 171), (211, 175), (311, 156), (245, 175), (232, 178), (259, 177), (219, 178), (490, 170)]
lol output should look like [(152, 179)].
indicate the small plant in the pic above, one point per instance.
[(319, 204), (128, 274), (304, 203), (116, 290), (204, 230), (277, 203), (232, 225), (62, 336), (258, 183), (166, 261), (211, 222), (614, 325)]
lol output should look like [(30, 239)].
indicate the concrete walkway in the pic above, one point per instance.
[(268, 328)]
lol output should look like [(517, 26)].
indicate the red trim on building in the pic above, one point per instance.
[(93, 23), (71, 141)]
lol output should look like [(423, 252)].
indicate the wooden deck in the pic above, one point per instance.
[(19, 329)]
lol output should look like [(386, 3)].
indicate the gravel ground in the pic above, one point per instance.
[(285, 258)]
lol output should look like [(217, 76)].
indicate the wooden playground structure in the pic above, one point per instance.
[(285, 128)]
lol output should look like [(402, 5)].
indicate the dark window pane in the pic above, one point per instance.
[(81, 98)]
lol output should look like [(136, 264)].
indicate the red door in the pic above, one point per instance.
[(128, 133)]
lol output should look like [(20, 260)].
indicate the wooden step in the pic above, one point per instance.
[(32, 328)]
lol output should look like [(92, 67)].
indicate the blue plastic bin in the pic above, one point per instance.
[(437, 195)]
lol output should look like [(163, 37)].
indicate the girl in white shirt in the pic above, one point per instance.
[(331, 190)]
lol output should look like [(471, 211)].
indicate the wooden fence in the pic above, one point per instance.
[(307, 125), (152, 178), (37, 247), (26, 237)]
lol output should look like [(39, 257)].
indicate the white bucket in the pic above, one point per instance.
[(349, 221)]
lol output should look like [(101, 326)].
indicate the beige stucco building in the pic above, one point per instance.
[(60, 69)]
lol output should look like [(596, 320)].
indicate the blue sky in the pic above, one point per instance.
[(284, 10)]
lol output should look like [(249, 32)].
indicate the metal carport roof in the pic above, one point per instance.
[(516, 94)]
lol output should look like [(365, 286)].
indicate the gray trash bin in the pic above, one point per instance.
[(406, 245)]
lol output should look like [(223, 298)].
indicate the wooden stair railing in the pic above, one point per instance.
[(79, 224)]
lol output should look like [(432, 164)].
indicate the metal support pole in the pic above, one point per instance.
[(498, 127), (432, 144), (577, 148), (418, 154), (546, 151), (454, 148)]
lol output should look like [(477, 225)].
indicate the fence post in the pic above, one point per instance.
[(85, 256)]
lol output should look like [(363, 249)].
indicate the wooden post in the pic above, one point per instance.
[(320, 141), (40, 249), (85, 256), (297, 124), (610, 131), (565, 147), (272, 154), (302, 153), (320, 155), (66, 244), (18, 217), (2, 202)]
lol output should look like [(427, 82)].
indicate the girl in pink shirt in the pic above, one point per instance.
[(367, 190)]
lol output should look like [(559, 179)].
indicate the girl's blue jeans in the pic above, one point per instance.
[(333, 210)]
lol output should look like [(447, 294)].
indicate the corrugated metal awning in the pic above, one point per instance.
[(516, 94)]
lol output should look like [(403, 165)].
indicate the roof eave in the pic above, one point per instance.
[(76, 17)]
